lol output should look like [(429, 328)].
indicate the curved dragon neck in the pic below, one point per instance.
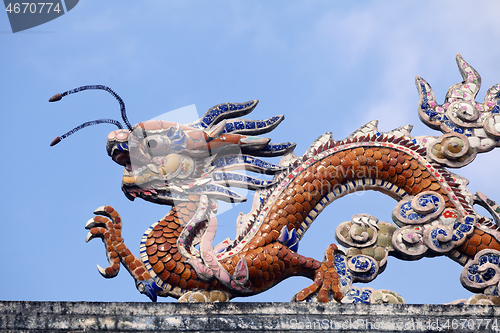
[(160, 253), (391, 164)]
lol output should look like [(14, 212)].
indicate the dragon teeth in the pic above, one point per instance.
[(153, 168)]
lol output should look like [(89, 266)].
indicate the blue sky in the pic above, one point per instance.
[(328, 66)]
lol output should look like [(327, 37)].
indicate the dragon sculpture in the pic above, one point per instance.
[(192, 166)]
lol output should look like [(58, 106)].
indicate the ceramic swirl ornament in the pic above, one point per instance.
[(192, 166)]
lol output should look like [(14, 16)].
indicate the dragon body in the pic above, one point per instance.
[(190, 167)]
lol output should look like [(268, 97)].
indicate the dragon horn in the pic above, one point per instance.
[(59, 96), (88, 123)]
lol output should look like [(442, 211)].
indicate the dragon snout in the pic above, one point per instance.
[(117, 146)]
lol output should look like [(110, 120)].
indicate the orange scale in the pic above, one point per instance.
[(172, 240), (160, 240), (157, 233), (164, 247), (177, 256), (164, 275), (129, 259), (163, 223), (169, 218), (151, 249), (173, 279), (435, 186), (481, 247), (139, 271), (486, 239), (158, 267), (182, 284)]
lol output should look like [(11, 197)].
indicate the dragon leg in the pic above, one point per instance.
[(275, 262), (116, 250), (326, 281)]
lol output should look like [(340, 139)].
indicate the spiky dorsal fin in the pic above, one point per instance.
[(401, 131), (368, 128), (320, 141)]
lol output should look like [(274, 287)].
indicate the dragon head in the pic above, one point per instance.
[(165, 162)]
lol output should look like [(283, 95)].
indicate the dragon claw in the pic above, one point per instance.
[(326, 282), (94, 222), (107, 272), (89, 237), (90, 224), (100, 210)]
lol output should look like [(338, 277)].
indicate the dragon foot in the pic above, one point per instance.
[(325, 287), (107, 226), (204, 296)]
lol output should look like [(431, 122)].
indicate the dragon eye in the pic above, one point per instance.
[(157, 145), (152, 143)]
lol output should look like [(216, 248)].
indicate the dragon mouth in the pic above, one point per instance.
[(122, 158), (153, 183), (149, 193), (150, 185)]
